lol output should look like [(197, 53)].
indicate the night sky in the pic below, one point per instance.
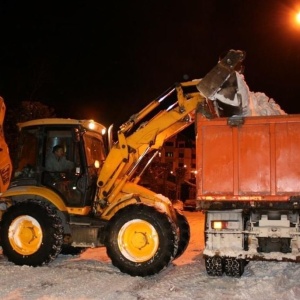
[(107, 59)]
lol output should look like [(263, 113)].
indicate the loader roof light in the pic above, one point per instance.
[(92, 125), (224, 224)]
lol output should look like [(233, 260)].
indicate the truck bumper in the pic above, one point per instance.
[(266, 235)]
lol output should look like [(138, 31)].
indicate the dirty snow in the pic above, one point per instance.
[(92, 276), (265, 106), (252, 103)]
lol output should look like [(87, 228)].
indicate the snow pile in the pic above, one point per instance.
[(262, 105)]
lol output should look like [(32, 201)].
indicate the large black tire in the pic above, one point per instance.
[(234, 267), (214, 265), (141, 240), (184, 233), (31, 233)]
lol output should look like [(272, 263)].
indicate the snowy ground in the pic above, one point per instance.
[(92, 276)]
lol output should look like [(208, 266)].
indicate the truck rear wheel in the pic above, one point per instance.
[(141, 240), (31, 233), (214, 265), (234, 267), (184, 233)]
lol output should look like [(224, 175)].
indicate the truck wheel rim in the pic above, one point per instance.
[(25, 235), (138, 240)]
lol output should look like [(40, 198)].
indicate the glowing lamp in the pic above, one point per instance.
[(298, 18)]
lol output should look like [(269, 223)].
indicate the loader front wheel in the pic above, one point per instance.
[(141, 240), (31, 233)]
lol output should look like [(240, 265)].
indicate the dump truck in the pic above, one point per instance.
[(248, 187), (99, 202)]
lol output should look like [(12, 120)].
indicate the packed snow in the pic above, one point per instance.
[(236, 93), (264, 106), (92, 276)]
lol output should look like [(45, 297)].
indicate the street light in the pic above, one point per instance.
[(294, 19), (298, 18)]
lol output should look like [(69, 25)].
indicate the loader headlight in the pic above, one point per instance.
[(220, 225), (97, 164)]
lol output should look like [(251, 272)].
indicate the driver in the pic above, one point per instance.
[(57, 162)]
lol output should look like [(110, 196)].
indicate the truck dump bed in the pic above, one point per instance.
[(258, 160)]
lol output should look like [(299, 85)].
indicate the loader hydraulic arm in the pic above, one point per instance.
[(130, 148)]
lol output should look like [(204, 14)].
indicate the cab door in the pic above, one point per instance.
[(67, 183), (94, 152)]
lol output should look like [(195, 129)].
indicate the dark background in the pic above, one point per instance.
[(107, 59)]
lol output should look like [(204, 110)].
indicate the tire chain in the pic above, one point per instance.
[(233, 267), (57, 224), (214, 266)]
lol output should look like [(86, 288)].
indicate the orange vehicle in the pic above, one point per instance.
[(5, 162), (248, 186)]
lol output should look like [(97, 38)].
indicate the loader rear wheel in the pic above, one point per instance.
[(31, 233), (141, 240), (184, 233)]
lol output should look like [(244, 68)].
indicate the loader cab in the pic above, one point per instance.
[(84, 147)]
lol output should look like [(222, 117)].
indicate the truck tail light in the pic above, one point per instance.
[(219, 225)]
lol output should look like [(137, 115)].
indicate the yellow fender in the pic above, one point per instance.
[(132, 193), (35, 191)]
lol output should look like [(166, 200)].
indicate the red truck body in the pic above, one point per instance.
[(258, 160)]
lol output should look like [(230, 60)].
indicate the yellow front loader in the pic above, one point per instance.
[(99, 202)]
